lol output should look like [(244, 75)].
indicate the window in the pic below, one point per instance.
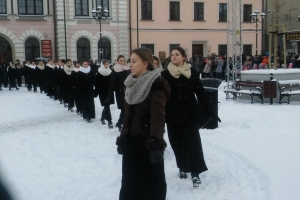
[(83, 49), (247, 49), (222, 50), (32, 49), (146, 9), (198, 11), (222, 12), (172, 46), (247, 13), (3, 7), (104, 4), (30, 7), (82, 7), (106, 49), (174, 10), (149, 46)]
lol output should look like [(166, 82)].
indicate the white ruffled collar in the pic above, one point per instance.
[(85, 70)]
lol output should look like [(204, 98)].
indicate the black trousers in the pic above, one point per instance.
[(120, 121), (141, 180), (186, 143), (88, 107), (106, 113), (19, 80), (78, 102), (12, 83), (31, 83)]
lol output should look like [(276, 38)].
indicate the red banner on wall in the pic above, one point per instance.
[(46, 49)]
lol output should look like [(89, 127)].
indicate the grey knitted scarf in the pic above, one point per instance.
[(137, 89)]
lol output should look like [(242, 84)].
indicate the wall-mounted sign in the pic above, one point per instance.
[(292, 36), (46, 49)]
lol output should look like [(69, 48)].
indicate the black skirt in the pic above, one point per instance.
[(186, 144), (141, 180)]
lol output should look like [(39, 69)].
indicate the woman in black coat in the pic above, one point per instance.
[(31, 76), (4, 78), (86, 82), (183, 115), (19, 72), (76, 83), (141, 141), (12, 75), (40, 76), (119, 74), (103, 79)]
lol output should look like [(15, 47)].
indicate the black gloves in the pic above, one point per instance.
[(120, 150), (156, 157)]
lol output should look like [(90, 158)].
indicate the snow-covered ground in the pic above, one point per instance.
[(48, 153)]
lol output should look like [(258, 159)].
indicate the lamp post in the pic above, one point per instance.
[(99, 15), (256, 20)]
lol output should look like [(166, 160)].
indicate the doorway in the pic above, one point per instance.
[(5, 51), (197, 49)]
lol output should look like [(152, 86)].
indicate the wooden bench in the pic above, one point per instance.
[(251, 88), (288, 90)]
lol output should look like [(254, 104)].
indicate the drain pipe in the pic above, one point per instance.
[(55, 28)]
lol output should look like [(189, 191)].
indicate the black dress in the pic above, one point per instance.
[(183, 112), (31, 78), (19, 75), (75, 83), (66, 86), (85, 83), (40, 77)]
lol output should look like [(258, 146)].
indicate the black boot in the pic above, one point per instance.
[(102, 121), (110, 125), (119, 126), (182, 175), (196, 179)]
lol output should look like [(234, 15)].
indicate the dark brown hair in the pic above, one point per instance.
[(104, 61), (181, 51), (120, 56), (156, 58), (145, 55)]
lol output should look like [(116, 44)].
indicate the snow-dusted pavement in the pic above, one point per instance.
[(48, 153)]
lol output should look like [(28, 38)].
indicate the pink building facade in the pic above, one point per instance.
[(25, 24), (198, 26)]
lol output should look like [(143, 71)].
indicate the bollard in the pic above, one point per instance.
[(271, 78)]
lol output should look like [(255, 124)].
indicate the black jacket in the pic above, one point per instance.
[(19, 72), (102, 87), (117, 86), (85, 84), (147, 118), (183, 106), (12, 73)]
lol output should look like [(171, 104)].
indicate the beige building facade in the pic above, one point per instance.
[(198, 26)]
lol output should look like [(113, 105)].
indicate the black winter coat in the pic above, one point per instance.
[(12, 73), (102, 87), (40, 75), (66, 82), (117, 86), (85, 84), (183, 106), (19, 72)]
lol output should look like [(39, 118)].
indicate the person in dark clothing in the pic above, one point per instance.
[(19, 74), (297, 61), (103, 79), (60, 73), (4, 75), (183, 115), (31, 76), (25, 72), (75, 83), (12, 75), (141, 141), (118, 76), (67, 85), (40, 76), (48, 80), (86, 82)]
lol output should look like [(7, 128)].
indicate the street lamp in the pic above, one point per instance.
[(255, 20), (99, 15)]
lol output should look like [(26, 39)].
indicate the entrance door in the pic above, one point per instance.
[(197, 49), (5, 51)]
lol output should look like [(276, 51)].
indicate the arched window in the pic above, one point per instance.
[(83, 49), (32, 49), (5, 51), (106, 49)]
